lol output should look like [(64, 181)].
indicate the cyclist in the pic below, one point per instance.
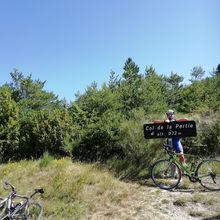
[(174, 142)]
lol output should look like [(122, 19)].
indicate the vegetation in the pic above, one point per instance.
[(75, 190), (43, 141), (71, 189), (106, 125)]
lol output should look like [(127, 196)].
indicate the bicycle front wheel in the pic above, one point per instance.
[(165, 174), (34, 211), (209, 174)]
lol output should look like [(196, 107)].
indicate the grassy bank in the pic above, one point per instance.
[(72, 190), (85, 191)]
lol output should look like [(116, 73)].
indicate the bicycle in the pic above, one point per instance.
[(167, 173), (25, 209)]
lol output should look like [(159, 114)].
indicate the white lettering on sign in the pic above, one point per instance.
[(149, 128), (160, 127), (173, 129), (172, 133), (169, 127), (184, 126), (160, 134)]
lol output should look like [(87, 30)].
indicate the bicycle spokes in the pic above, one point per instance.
[(165, 174), (209, 174)]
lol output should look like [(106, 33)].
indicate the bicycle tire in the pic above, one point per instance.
[(165, 174), (208, 173), (34, 211)]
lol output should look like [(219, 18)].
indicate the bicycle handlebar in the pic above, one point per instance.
[(9, 184), (38, 190)]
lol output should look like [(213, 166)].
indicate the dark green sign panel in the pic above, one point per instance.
[(171, 129)]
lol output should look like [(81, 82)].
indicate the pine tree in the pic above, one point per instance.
[(174, 90), (130, 87)]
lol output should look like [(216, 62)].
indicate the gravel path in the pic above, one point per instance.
[(148, 202)]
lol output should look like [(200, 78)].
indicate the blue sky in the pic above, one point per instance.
[(71, 43)]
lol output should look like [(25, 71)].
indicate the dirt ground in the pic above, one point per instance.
[(149, 202)]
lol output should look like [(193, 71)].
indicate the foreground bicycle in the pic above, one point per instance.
[(25, 209), (167, 173)]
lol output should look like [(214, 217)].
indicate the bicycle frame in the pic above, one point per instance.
[(187, 172), (20, 206), (186, 169)]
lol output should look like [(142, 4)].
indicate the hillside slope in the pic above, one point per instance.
[(79, 191)]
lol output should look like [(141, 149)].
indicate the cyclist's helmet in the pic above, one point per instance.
[(170, 113)]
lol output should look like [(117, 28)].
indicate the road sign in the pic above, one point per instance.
[(170, 129)]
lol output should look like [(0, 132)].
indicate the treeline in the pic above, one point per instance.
[(106, 123)]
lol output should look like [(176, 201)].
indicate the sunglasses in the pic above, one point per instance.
[(170, 114)]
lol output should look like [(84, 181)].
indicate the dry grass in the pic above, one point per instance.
[(86, 191)]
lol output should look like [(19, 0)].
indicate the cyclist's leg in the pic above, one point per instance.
[(181, 157), (178, 148)]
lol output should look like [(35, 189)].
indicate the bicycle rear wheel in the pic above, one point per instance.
[(165, 174), (34, 211), (209, 174)]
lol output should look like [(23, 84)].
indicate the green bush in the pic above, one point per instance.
[(9, 126), (208, 133), (99, 141), (139, 153), (45, 160)]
